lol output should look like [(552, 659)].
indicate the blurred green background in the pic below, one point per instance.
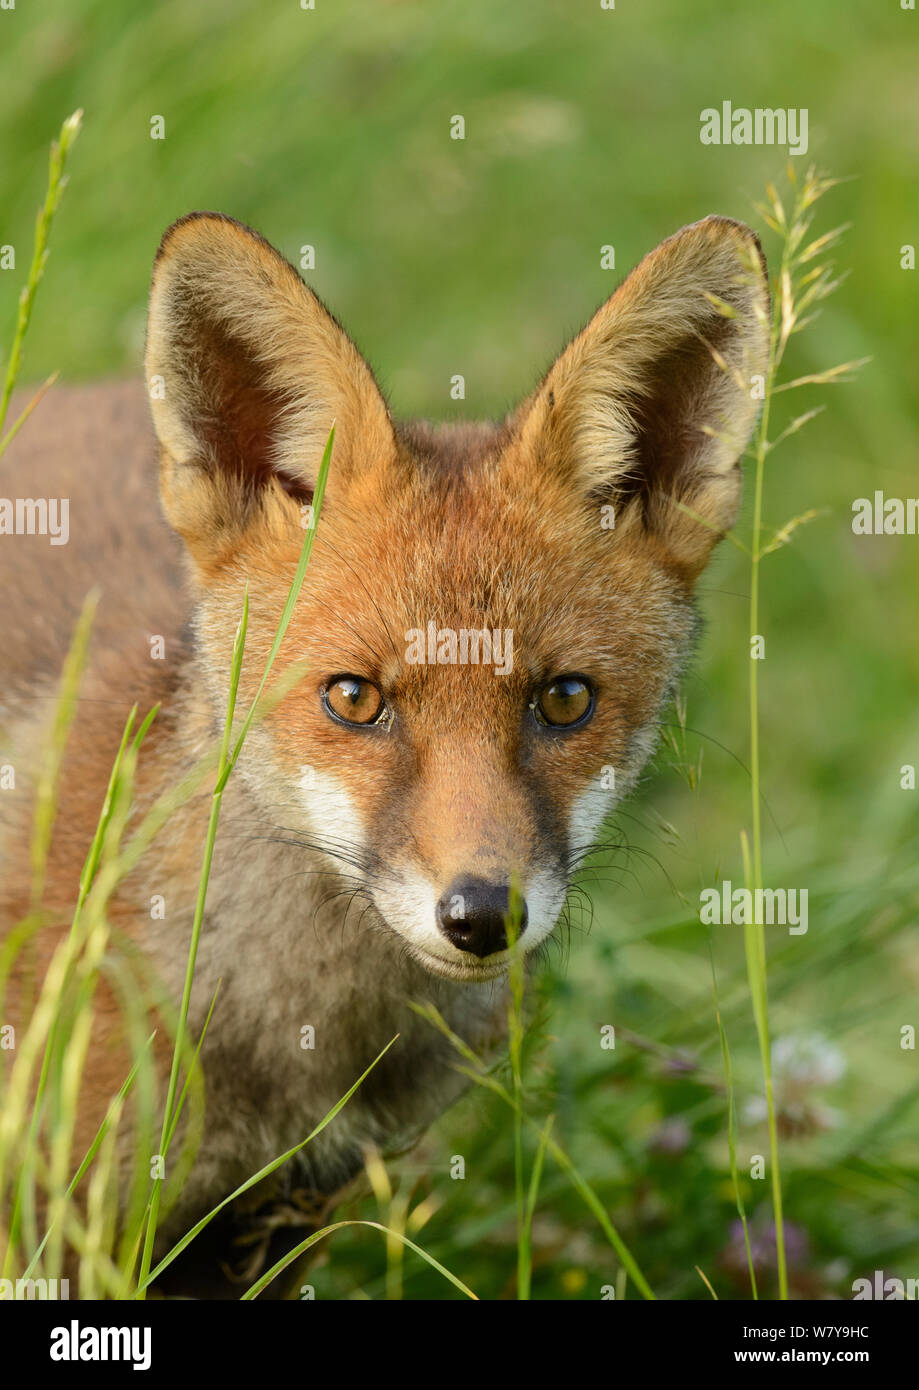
[(331, 128)]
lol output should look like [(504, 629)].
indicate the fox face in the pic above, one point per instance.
[(493, 615)]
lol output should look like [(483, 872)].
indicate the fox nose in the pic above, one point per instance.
[(471, 915)]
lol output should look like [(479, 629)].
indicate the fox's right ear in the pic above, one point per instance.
[(246, 372)]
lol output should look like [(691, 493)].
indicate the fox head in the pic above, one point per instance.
[(493, 615)]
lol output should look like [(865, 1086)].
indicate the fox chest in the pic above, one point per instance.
[(308, 1000)]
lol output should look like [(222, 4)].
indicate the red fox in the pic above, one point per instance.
[(492, 618)]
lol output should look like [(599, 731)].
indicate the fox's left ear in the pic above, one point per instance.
[(653, 403), (246, 371)]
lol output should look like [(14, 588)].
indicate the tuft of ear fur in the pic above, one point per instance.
[(654, 402), (246, 371)]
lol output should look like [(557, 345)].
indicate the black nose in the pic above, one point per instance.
[(472, 913)]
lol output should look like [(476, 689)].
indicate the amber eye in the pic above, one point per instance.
[(564, 701), (354, 700)]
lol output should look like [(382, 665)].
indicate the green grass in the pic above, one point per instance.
[(330, 128)]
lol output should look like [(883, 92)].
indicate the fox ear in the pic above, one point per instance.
[(246, 372), (653, 403)]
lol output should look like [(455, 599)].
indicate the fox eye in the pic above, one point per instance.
[(353, 700), (565, 701)]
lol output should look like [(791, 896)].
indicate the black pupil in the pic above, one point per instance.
[(351, 690)]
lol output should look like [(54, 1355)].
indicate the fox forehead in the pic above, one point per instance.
[(420, 546)]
